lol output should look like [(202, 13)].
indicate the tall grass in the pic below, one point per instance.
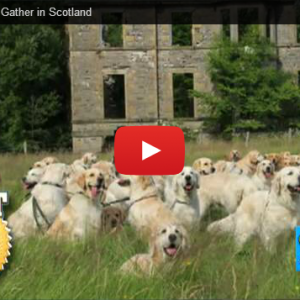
[(40, 268)]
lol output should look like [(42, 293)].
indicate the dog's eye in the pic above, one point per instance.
[(177, 231), (182, 174), (205, 164), (164, 231), (92, 175), (117, 215)]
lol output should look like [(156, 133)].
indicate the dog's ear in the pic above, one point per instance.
[(81, 181), (124, 182), (276, 185)]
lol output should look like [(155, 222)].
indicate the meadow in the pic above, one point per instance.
[(40, 268)]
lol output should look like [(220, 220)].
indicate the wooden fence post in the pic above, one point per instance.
[(25, 147), (247, 139)]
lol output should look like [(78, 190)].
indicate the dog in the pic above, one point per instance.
[(223, 166), (112, 219), (267, 215), (204, 166), (48, 198), (82, 215), (108, 170), (264, 175), (234, 155), (32, 178), (224, 189), (168, 243), (249, 162), (274, 158), (182, 198), (84, 163), (145, 208)]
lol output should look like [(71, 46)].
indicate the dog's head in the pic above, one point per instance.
[(286, 185), (56, 174), (108, 169), (204, 166), (112, 218), (89, 158), (33, 176), (273, 157), (168, 242), (266, 168), (295, 160), (234, 155), (188, 181), (255, 157), (39, 164), (50, 160), (92, 183)]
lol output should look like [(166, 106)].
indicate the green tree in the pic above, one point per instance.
[(34, 97), (250, 91)]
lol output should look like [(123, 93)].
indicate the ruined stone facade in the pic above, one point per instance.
[(147, 60)]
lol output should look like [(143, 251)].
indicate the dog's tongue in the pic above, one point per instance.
[(25, 186), (94, 191), (188, 187), (297, 188), (268, 175), (171, 251)]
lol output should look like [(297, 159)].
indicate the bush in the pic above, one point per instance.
[(250, 92)]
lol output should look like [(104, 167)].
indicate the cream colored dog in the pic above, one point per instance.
[(224, 189), (32, 178), (249, 162), (46, 162), (264, 175), (204, 166), (145, 208), (168, 242), (85, 162), (47, 199), (267, 215), (82, 215), (182, 198), (223, 166)]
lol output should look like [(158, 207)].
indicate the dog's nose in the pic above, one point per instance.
[(23, 179), (213, 169), (268, 169), (188, 177), (172, 237)]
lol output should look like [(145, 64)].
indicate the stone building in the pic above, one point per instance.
[(131, 79)]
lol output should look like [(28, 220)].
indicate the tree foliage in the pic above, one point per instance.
[(251, 91), (34, 97)]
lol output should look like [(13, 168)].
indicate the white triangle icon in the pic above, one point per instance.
[(148, 150)]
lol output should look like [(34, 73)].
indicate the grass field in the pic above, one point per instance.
[(43, 269)]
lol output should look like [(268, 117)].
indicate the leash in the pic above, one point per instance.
[(141, 199), (36, 208), (52, 184), (116, 201)]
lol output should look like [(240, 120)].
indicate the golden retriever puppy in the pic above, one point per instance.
[(48, 198), (168, 242), (112, 219), (32, 178), (82, 215), (264, 175), (234, 155), (224, 189), (265, 214), (274, 158), (249, 162), (182, 198), (204, 166), (145, 208)]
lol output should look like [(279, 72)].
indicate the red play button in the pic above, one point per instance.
[(149, 150)]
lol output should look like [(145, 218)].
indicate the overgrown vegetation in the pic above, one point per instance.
[(34, 87), (251, 91)]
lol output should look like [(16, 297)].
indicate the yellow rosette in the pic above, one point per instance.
[(4, 243)]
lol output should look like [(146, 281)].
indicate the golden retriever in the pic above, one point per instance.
[(32, 178), (82, 215), (48, 198), (249, 162), (265, 214), (168, 242), (145, 208), (204, 166), (264, 175), (234, 155), (182, 198), (112, 219)]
